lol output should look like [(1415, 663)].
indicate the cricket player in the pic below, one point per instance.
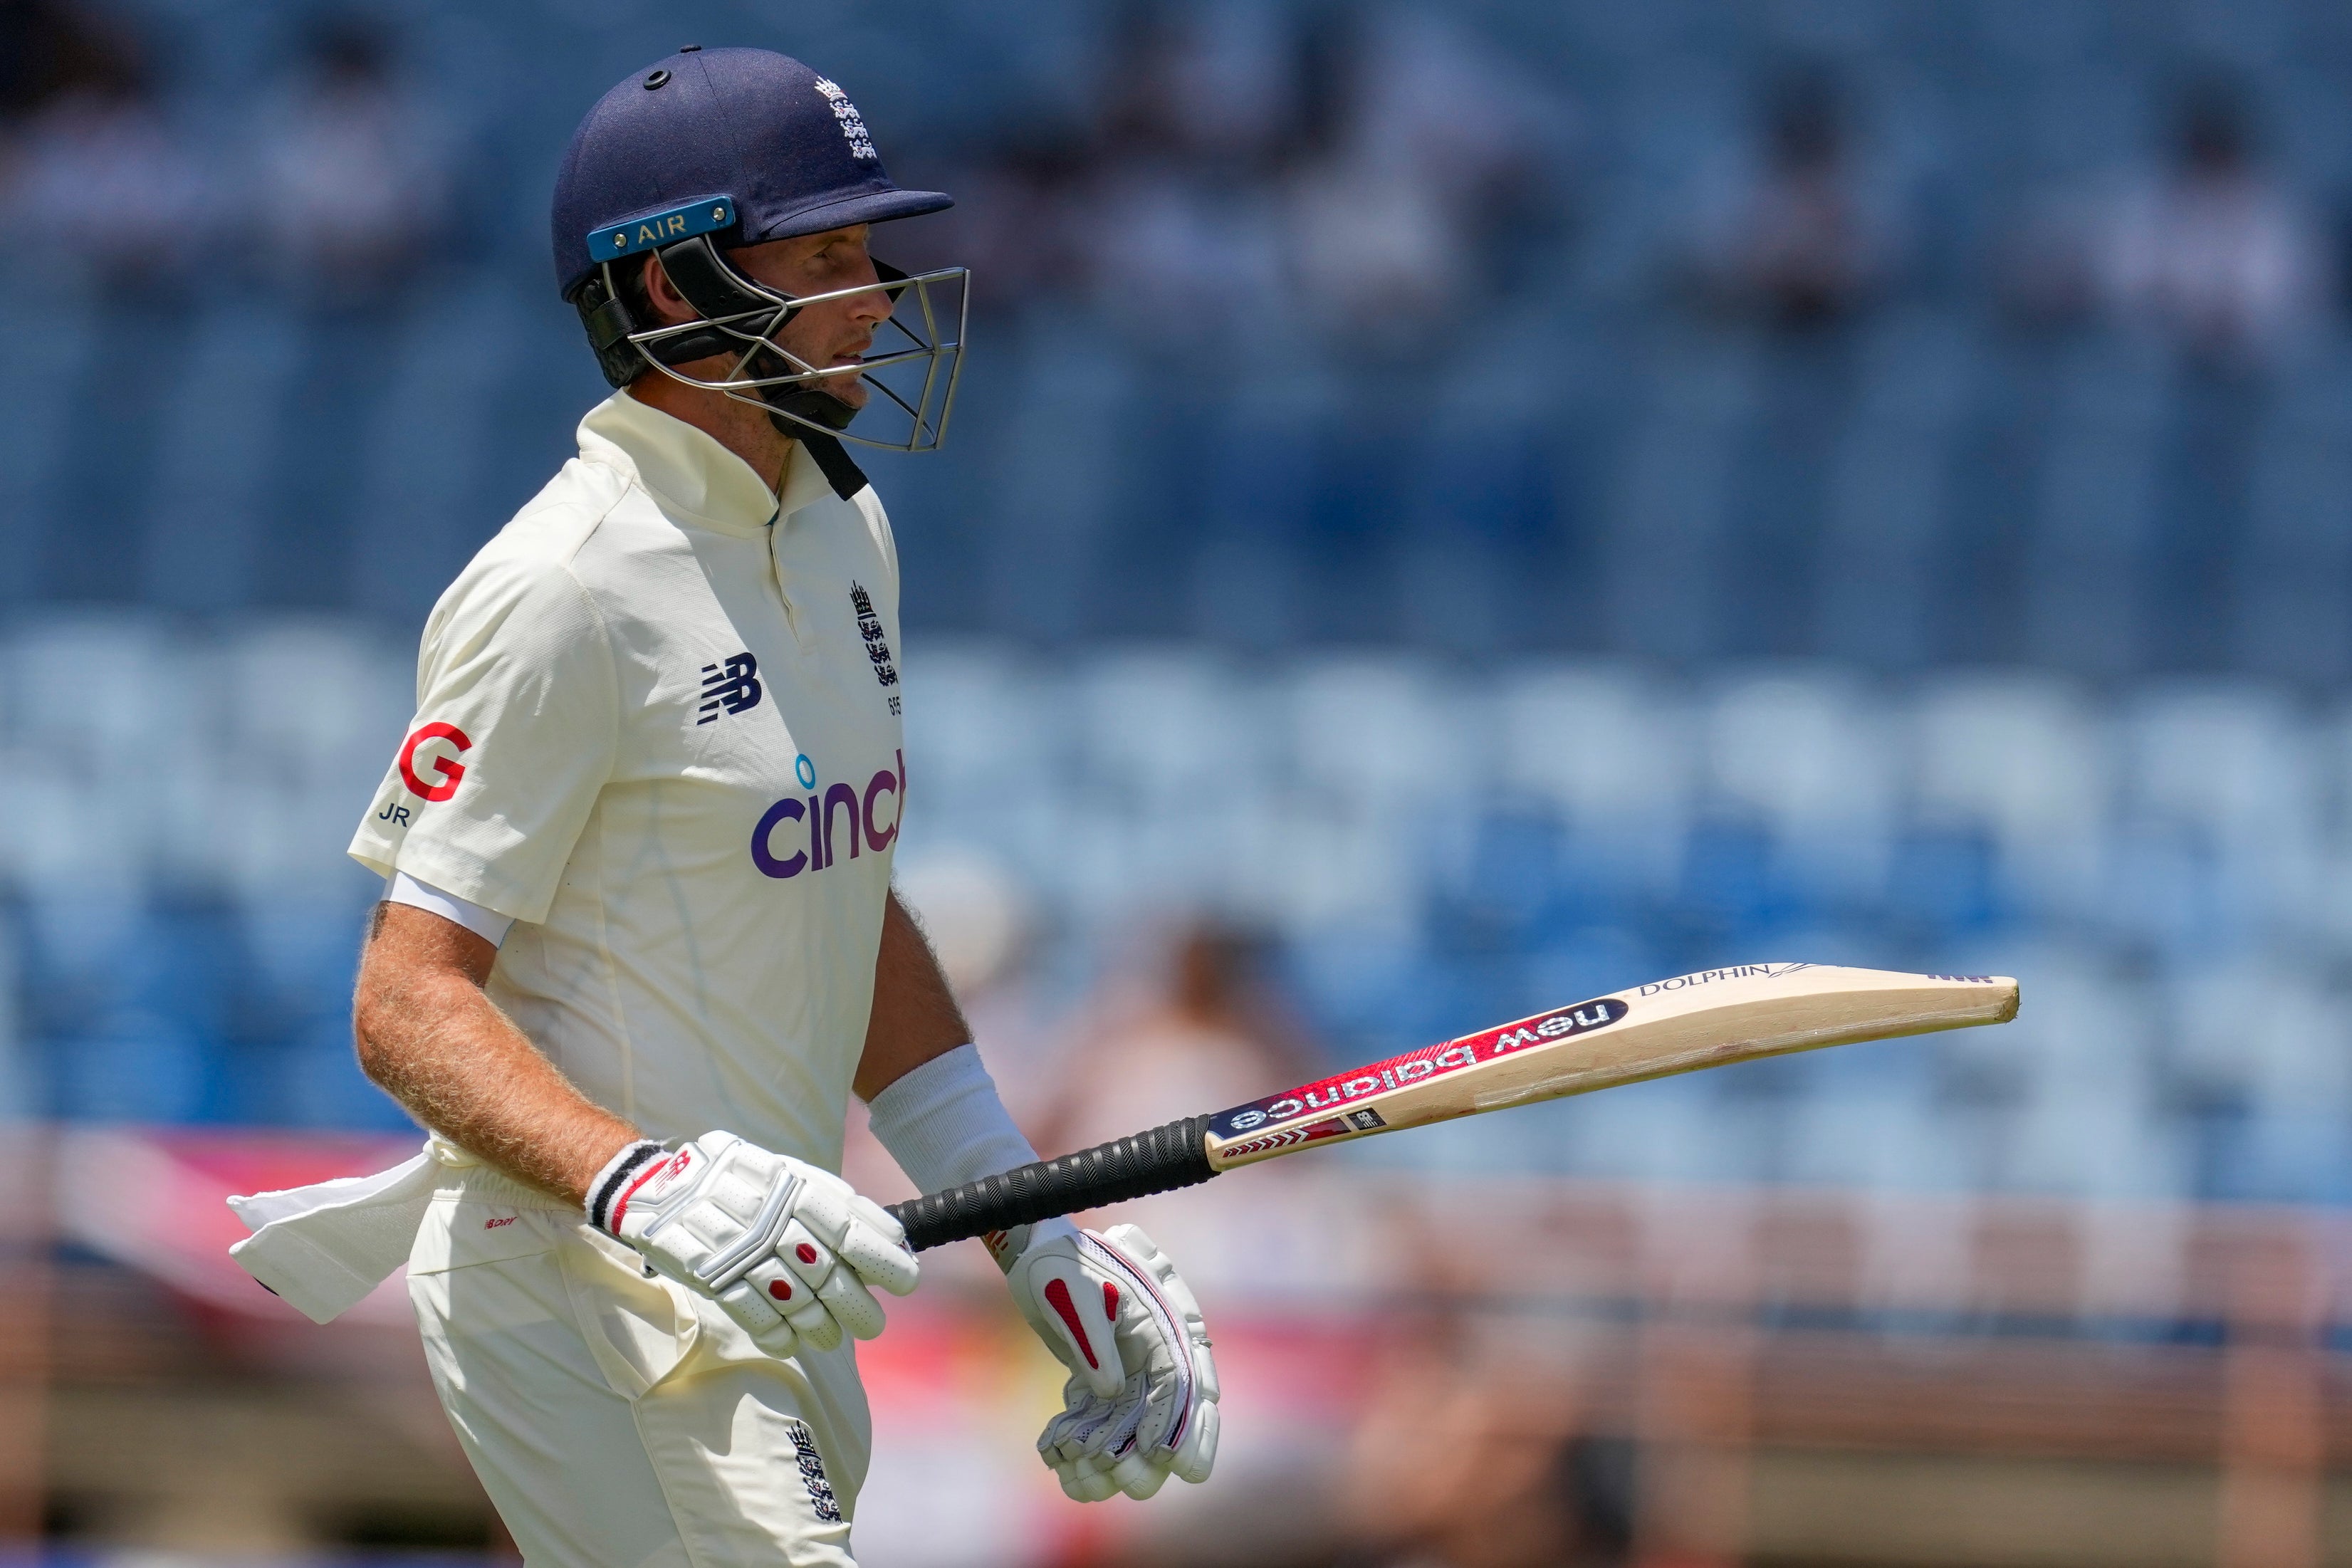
[(639, 945)]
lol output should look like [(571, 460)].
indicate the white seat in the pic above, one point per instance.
[(1159, 726), (62, 831), (2077, 1021), (282, 840), (2271, 1036), (1810, 755), (326, 700), (1378, 731), (2218, 834), (2234, 760), (987, 744), (1673, 1129), (2026, 760), (108, 718), (1602, 742), (1875, 1136), (216, 455), (1611, 750), (110, 694), (2087, 1142), (1376, 796), (2088, 1121)]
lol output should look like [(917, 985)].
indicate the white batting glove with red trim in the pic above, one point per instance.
[(785, 1249), (1141, 1402)]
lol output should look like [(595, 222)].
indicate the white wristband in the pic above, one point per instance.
[(604, 1191), (945, 1125)]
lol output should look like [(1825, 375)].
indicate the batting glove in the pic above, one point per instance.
[(786, 1249), (1141, 1402)]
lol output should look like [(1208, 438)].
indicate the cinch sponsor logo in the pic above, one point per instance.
[(813, 846), (443, 763), (1398, 1072)]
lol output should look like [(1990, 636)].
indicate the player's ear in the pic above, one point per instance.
[(668, 305)]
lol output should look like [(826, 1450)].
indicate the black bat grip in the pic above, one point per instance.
[(1144, 1163)]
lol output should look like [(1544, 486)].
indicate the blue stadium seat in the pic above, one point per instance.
[(1671, 1130), (1806, 756), (1612, 751), (139, 1069), (1887, 1136), (324, 1088), (212, 502), (2024, 760), (55, 343)]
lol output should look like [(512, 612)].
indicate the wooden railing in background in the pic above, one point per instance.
[(1745, 1322)]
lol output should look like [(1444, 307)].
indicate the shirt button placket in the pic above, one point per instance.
[(776, 580)]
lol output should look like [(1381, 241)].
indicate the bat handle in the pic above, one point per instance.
[(1156, 1162)]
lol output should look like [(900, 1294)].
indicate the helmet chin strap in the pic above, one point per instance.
[(793, 409), (789, 406)]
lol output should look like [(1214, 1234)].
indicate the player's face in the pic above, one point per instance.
[(832, 331)]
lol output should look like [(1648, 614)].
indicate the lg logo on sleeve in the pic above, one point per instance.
[(448, 744)]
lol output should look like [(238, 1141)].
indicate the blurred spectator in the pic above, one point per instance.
[(102, 183), (1019, 222), (1796, 236), (1201, 1032), (2215, 252), (1420, 158), (1178, 219), (47, 49), (982, 927), (1464, 1459), (1195, 1031), (1246, 170), (355, 183)]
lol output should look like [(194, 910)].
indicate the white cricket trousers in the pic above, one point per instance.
[(623, 1422)]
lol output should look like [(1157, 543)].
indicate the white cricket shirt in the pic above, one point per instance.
[(657, 724)]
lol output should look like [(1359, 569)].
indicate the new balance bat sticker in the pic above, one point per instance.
[(1672, 1025)]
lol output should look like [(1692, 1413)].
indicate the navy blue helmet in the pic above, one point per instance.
[(712, 150)]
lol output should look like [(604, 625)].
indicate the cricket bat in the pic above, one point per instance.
[(1673, 1026)]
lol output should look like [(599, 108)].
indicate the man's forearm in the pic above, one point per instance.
[(435, 1043)]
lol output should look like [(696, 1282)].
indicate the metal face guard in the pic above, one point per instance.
[(740, 316)]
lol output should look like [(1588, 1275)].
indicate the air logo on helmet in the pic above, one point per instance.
[(663, 227), (853, 124)]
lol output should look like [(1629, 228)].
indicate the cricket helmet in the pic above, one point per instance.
[(712, 150)]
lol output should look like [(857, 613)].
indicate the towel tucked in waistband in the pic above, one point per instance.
[(324, 1247)]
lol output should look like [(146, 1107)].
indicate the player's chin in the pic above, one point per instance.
[(849, 389)]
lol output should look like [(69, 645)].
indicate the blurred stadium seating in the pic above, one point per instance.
[(1656, 636), (1433, 844)]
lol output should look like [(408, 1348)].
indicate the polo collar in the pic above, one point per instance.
[(687, 472), (805, 481)]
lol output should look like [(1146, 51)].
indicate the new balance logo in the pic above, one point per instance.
[(730, 688)]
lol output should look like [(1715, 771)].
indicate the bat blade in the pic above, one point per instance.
[(1673, 1026), (1677, 1025)]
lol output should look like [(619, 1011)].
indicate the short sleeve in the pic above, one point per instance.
[(517, 722)]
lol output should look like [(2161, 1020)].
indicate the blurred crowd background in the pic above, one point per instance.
[(1450, 510)]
